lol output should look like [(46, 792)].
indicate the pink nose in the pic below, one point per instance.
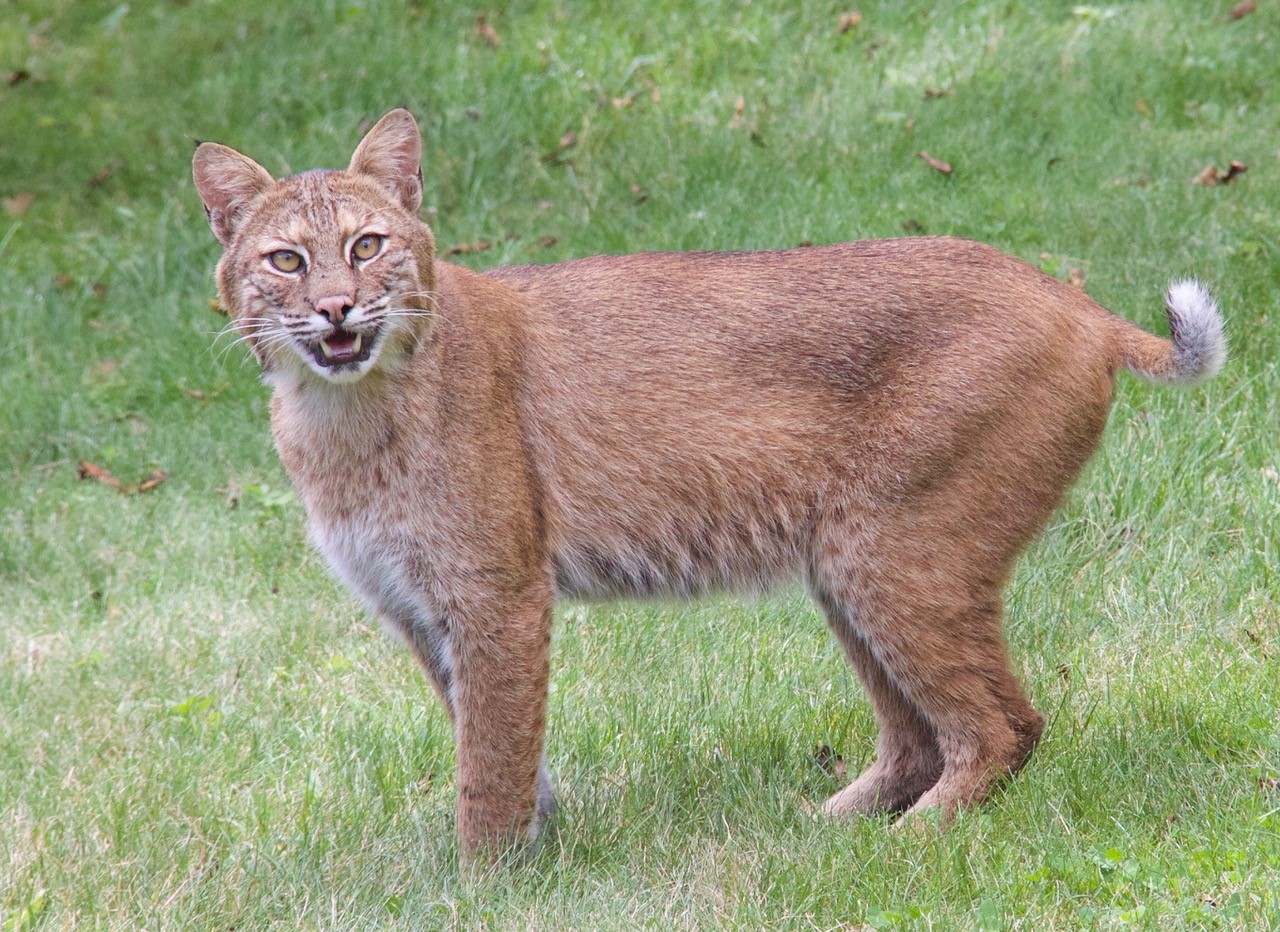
[(334, 307)]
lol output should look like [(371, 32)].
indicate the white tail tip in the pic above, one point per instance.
[(1195, 326)]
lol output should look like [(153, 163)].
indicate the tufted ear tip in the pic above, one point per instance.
[(391, 154)]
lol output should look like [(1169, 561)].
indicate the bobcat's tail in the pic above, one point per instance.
[(1195, 349)]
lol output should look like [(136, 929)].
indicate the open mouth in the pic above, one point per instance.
[(343, 347)]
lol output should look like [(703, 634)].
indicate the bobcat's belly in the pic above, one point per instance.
[(685, 556)]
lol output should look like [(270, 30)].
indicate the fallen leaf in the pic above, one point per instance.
[(19, 204), (87, 470), (556, 155), (154, 478), (872, 46), (1143, 107), (103, 175), (850, 20), (624, 102), (912, 227), (17, 76), (63, 282), (639, 193), (463, 249), (99, 289), (933, 93), (935, 164), (1075, 278), (546, 242), (487, 32), (739, 107), (1243, 9), (1211, 176)]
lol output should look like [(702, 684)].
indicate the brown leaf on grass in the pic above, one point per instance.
[(463, 249), (63, 282), (1075, 278), (639, 193), (557, 155), (19, 204), (91, 471), (17, 76), (935, 164), (87, 470), (850, 20), (739, 107), (154, 478), (933, 93), (99, 289), (1243, 9), (487, 32), (546, 242), (1211, 176), (1143, 107), (624, 102), (830, 761), (103, 175)]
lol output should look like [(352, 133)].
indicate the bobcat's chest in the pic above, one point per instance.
[(380, 565)]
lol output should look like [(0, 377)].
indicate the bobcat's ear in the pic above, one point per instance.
[(227, 182), (391, 154)]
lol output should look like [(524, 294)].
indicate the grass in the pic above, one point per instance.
[(198, 728)]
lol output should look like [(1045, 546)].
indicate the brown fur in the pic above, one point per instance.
[(890, 421)]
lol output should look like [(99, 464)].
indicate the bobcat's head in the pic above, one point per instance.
[(327, 272)]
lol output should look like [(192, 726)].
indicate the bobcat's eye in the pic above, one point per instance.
[(286, 260), (366, 247)]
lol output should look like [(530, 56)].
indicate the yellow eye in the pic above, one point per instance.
[(286, 260), (366, 247)]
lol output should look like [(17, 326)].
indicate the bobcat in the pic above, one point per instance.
[(889, 421)]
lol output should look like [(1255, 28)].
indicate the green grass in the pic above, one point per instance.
[(197, 727)]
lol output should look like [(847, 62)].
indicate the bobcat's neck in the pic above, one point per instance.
[(370, 444)]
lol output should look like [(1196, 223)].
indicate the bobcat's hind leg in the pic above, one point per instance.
[(920, 616), (908, 761)]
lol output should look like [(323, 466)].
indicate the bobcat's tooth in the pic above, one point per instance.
[(324, 348), (355, 346)]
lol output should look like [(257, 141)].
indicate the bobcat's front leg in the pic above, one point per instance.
[(499, 696)]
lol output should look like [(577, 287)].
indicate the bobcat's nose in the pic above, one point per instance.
[(334, 307)]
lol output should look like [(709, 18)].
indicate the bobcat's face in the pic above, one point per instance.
[(326, 274)]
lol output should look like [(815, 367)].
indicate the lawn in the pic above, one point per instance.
[(198, 728)]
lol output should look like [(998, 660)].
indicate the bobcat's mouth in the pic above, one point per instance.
[(343, 347)]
